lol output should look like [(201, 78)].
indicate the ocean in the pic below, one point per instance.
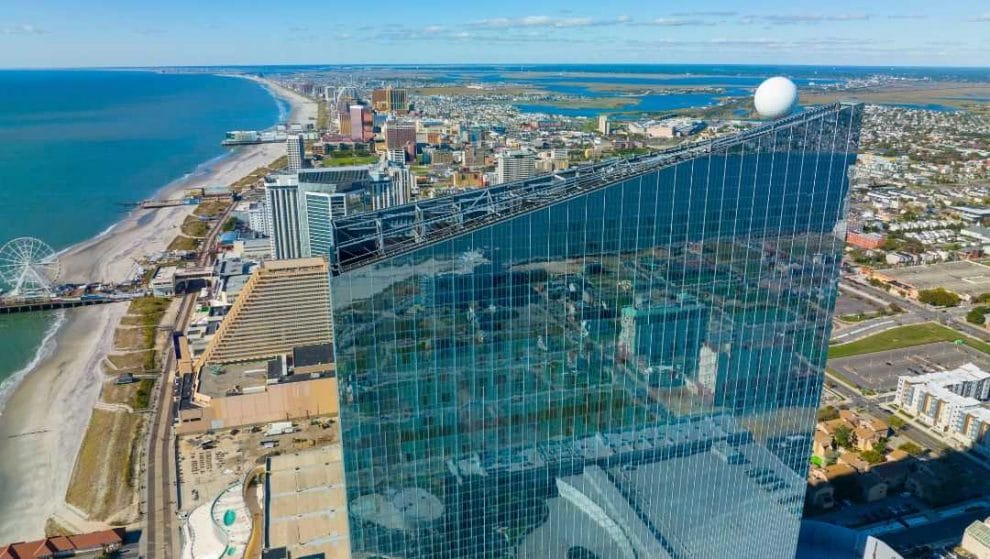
[(77, 147)]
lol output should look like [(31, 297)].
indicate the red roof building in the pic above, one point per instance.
[(65, 546)]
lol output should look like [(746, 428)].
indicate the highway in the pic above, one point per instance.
[(161, 535)]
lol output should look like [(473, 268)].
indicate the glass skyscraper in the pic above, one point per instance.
[(623, 361)]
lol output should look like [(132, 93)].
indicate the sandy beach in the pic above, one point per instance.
[(42, 426)]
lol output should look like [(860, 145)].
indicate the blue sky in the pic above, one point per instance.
[(60, 33)]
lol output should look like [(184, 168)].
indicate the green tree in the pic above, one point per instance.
[(983, 298), (896, 423), (939, 297), (911, 448), (871, 456), (828, 413), (844, 436), (977, 315)]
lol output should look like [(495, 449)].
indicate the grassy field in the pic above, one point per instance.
[(134, 340), (211, 208), (183, 242), (102, 482), (904, 336), (349, 160), (128, 339), (130, 362), (113, 393), (142, 395), (259, 173), (193, 227)]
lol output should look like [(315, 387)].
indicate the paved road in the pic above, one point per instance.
[(924, 311), (161, 536)]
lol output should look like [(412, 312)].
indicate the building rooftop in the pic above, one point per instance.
[(980, 531), (307, 513), (966, 373), (371, 236), (165, 274), (292, 264), (942, 393), (305, 356)]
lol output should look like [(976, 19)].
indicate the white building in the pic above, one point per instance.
[(403, 182), (604, 126), (515, 165), (296, 149), (397, 156), (282, 214), (257, 216), (950, 402), (321, 208), (967, 380), (162, 284)]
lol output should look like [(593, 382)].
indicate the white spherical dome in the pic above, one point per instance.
[(776, 97)]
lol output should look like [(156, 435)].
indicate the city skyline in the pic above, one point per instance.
[(180, 33)]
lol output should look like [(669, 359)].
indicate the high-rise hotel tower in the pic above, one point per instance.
[(617, 361)]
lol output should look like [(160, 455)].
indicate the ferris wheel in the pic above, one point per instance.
[(28, 267)]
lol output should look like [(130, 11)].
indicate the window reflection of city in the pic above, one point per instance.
[(631, 373)]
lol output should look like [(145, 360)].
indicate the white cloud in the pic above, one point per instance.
[(21, 29), (548, 22), (705, 14), (677, 22), (791, 19)]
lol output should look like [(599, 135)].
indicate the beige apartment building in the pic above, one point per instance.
[(285, 304)]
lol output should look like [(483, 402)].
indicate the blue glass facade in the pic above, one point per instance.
[(629, 369)]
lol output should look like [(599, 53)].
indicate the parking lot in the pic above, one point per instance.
[(879, 371), (962, 277), (848, 304)]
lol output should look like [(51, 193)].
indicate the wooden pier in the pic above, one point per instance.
[(38, 305), (153, 204)]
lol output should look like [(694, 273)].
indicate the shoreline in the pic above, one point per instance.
[(46, 414)]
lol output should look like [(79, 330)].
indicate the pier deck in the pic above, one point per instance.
[(55, 303)]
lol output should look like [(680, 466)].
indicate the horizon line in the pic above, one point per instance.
[(486, 64)]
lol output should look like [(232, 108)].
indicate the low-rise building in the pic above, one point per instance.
[(163, 284), (976, 539), (855, 461), (872, 487), (867, 241), (950, 401), (93, 544)]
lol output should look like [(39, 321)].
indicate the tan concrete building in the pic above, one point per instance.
[(976, 539), (285, 304)]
